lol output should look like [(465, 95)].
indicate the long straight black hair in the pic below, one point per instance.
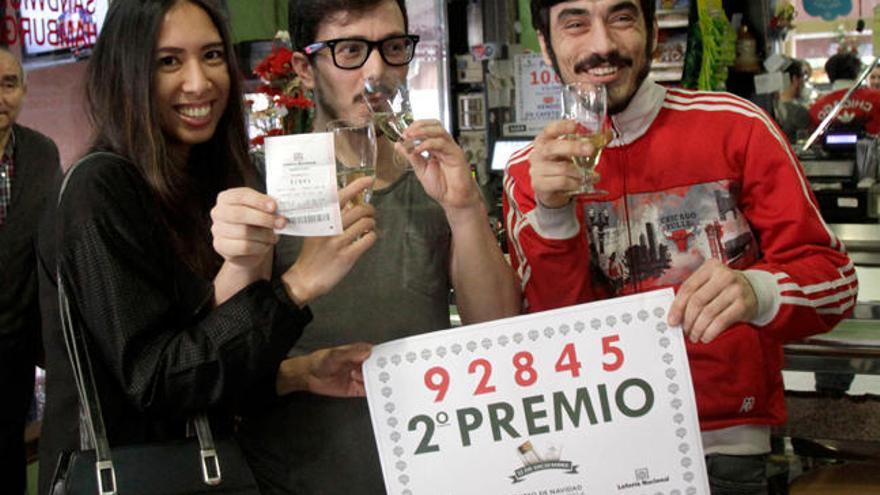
[(123, 110)]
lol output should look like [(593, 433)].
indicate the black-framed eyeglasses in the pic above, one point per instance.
[(352, 53)]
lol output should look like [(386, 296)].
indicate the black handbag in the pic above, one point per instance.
[(186, 466)]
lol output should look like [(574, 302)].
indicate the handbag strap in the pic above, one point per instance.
[(88, 398), (207, 451), (81, 365), (92, 418)]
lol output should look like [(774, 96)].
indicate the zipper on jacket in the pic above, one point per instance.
[(624, 169)]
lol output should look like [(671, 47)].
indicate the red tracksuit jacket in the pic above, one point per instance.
[(693, 176), (861, 111)]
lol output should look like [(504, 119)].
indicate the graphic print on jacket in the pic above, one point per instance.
[(653, 240)]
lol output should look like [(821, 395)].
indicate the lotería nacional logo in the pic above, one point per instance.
[(643, 478), (534, 462)]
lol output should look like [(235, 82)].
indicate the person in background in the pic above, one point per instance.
[(791, 115), (434, 234), (727, 220), (28, 163), (808, 94), (165, 249), (874, 78), (861, 113)]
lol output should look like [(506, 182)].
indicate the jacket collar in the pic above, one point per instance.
[(636, 118)]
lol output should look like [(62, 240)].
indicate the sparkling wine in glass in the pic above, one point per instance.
[(387, 98), (392, 125), (355, 145), (587, 105)]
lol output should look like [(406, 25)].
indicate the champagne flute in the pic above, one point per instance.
[(388, 100), (387, 97), (587, 105), (355, 145)]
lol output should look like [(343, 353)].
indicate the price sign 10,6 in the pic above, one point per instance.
[(544, 76)]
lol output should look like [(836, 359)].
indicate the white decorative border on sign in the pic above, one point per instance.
[(519, 338)]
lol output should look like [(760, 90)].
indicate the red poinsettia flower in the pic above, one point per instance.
[(279, 61), (262, 69), (295, 101), (269, 90), (288, 105)]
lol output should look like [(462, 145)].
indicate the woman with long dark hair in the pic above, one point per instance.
[(165, 247)]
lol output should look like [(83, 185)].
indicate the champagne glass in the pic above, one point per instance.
[(587, 105), (387, 98), (355, 145)]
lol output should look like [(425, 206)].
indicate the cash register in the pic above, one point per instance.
[(843, 171)]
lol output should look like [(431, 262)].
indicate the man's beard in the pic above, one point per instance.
[(614, 59), (324, 107), (617, 107)]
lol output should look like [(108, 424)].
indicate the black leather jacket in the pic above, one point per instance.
[(160, 350)]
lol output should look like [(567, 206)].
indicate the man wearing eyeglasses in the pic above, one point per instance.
[(433, 235)]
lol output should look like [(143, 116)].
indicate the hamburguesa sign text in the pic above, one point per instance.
[(41, 26)]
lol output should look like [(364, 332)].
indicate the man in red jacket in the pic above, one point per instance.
[(704, 195), (861, 112)]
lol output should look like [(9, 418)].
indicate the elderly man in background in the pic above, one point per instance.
[(28, 164)]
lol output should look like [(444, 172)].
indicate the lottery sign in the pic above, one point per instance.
[(537, 92), (595, 398)]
